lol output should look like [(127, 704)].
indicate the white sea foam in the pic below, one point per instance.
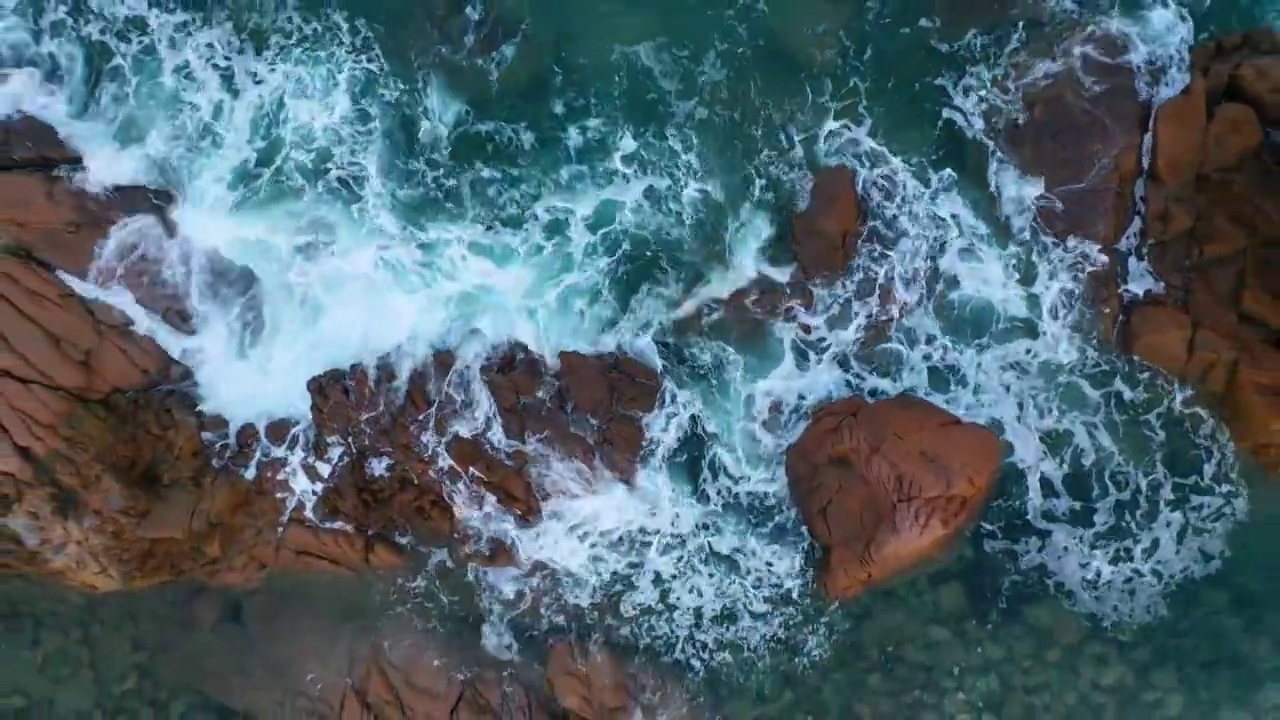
[(287, 156)]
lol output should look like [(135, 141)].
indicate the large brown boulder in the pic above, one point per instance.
[(886, 486), (1212, 234)]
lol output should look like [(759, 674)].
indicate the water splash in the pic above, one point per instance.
[(387, 211)]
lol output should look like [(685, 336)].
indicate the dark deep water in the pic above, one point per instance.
[(604, 160)]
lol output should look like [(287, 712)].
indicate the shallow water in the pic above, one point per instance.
[(578, 176)]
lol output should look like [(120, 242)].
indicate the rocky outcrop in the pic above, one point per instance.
[(589, 410), (105, 481), (46, 214), (825, 234), (28, 144), (886, 486), (1212, 235), (1081, 131), (1211, 229), (111, 478), (824, 239)]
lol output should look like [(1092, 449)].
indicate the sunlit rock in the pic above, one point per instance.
[(1213, 238), (886, 486)]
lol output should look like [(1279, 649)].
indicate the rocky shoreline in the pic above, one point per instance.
[(113, 479), (1209, 226)]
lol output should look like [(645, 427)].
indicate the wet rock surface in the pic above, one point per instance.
[(44, 212), (385, 477), (1212, 236), (1082, 132), (825, 234), (884, 487), (113, 479), (824, 239)]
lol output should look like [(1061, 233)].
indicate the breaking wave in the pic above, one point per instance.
[(399, 199)]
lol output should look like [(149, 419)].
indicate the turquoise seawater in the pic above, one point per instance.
[(411, 176)]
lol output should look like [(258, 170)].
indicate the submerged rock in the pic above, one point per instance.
[(1212, 234), (591, 682), (886, 486)]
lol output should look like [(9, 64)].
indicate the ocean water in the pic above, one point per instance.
[(408, 177)]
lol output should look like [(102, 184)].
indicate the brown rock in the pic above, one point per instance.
[(825, 235), (105, 481), (60, 224), (589, 682), (1234, 134), (1215, 242), (43, 213), (1179, 127), (1085, 140), (886, 486), (28, 144), (746, 313), (590, 410), (1257, 81)]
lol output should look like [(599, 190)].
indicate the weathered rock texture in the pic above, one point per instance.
[(588, 410), (886, 486), (1213, 238), (1082, 132), (590, 682), (825, 235), (110, 477), (46, 214), (1211, 229)]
